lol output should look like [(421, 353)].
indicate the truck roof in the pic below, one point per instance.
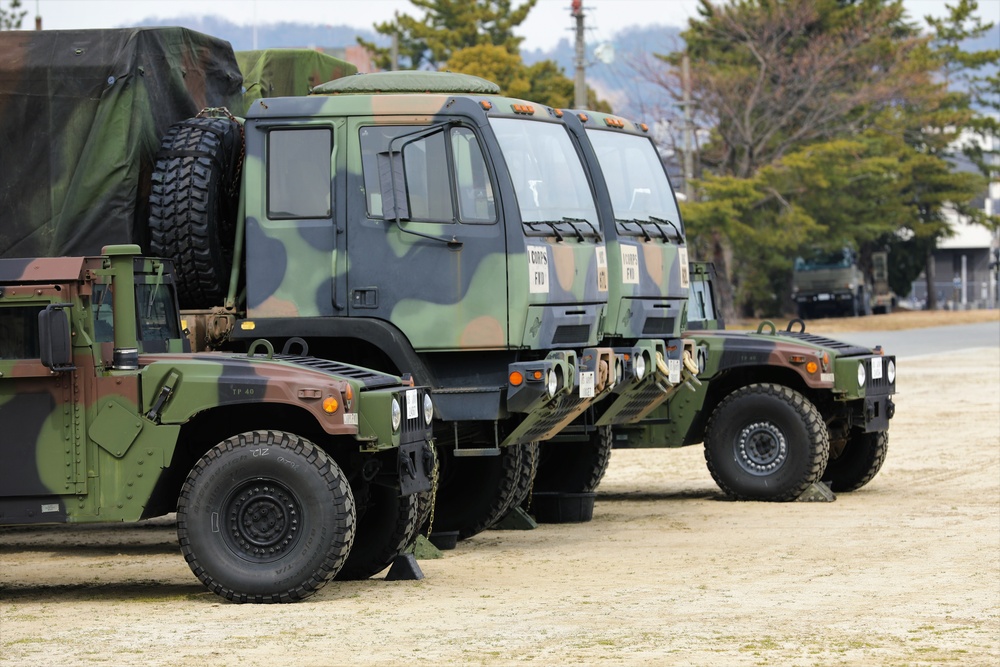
[(41, 269)]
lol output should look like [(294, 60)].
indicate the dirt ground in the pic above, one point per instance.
[(905, 571)]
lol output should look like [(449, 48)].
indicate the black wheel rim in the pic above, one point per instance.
[(761, 448), (262, 518)]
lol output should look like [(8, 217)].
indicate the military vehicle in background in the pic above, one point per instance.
[(279, 466), (413, 222), (776, 410), (832, 283)]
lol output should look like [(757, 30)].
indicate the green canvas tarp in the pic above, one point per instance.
[(82, 113), (288, 72)]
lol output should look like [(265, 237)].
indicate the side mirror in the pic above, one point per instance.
[(54, 340), (392, 186)]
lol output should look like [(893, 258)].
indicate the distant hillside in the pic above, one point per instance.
[(272, 35)]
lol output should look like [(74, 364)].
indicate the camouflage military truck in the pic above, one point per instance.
[(279, 467), (448, 234), (776, 410)]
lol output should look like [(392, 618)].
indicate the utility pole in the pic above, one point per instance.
[(38, 17), (580, 86), (688, 130)]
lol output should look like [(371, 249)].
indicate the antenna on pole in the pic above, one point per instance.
[(580, 85)]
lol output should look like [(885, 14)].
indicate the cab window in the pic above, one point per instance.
[(446, 175), (19, 332), (299, 173)]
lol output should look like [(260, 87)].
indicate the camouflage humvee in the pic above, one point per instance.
[(777, 411), (280, 467)]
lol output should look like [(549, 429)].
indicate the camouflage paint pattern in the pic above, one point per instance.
[(84, 111), (441, 297), (286, 72), (90, 444)]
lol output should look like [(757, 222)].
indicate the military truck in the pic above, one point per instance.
[(414, 222), (776, 410), (833, 282), (280, 467)]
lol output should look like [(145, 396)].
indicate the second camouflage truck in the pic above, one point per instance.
[(776, 410), (279, 467)]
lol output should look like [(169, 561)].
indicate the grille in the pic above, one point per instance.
[(842, 348), (371, 379), (412, 426), (571, 333), (658, 325), (878, 386)]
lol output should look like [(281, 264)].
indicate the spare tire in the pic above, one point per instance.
[(193, 205)]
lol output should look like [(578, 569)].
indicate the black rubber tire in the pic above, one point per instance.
[(858, 463), (283, 480), (766, 442), (525, 476), (474, 492), (574, 467), (193, 204), (387, 524)]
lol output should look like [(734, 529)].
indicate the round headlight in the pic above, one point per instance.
[(861, 374), (397, 415), (640, 366), (552, 384), (428, 409), (618, 370), (890, 371)]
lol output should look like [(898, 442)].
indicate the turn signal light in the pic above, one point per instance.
[(812, 367), (516, 378), (330, 405)]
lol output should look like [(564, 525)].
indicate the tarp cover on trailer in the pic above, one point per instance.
[(82, 113)]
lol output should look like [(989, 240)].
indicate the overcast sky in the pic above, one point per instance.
[(547, 23)]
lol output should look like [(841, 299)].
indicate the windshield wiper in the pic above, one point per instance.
[(597, 232), (654, 220), (550, 223), (638, 225)]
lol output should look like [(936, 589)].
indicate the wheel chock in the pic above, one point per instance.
[(818, 492), (516, 519), (404, 568)]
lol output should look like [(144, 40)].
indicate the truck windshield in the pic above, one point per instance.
[(552, 189), (818, 260), (641, 196)]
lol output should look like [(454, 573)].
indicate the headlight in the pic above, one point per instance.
[(890, 371), (552, 384), (397, 415), (428, 409), (861, 374), (618, 370), (640, 366)]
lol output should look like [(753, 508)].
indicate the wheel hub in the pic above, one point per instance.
[(761, 448), (263, 520)]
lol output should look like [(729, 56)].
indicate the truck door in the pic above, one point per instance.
[(40, 451), (439, 272)]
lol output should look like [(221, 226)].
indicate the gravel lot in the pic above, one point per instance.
[(905, 571)]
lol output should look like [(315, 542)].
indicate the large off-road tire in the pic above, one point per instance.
[(387, 524), (766, 442), (265, 516), (574, 467), (475, 492), (193, 205), (525, 476), (858, 463)]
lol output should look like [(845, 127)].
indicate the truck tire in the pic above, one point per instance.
[(574, 467), (193, 205), (766, 442), (475, 492), (858, 463), (525, 476), (387, 524), (265, 516)]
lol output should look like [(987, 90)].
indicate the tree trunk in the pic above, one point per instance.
[(932, 303)]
